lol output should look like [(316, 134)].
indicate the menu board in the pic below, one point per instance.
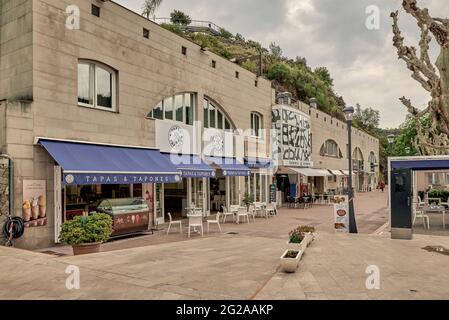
[(272, 193), (341, 214)]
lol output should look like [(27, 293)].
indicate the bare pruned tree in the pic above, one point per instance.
[(433, 77)]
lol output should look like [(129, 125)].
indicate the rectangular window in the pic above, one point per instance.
[(189, 104), (95, 10), (256, 83), (146, 33), (168, 108), (158, 112), (85, 84), (184, 50), (212, 122), (206, 113), (214, 64), (219, 120), (237, 74), (255, 125), (179, 107)]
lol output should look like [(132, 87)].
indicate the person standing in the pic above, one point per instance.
[(382, 185)]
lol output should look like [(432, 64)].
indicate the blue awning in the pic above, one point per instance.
[(85, 163), (191, 166), (424, 164), (230, 166), (258, 163)]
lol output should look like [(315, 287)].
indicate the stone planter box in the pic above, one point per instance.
[(290, 265), (86, 248)]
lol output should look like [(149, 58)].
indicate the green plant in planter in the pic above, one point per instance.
[(247, 200), (291, 254), (296, 236), (90, 229)]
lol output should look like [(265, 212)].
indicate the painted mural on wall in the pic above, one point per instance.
[(292, 137)]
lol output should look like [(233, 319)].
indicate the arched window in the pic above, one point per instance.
[(330, 149), (96, 85), (214, 117), (256, 124), (372, 158), (357, 158), (180, 107)]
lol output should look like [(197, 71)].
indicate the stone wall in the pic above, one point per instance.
[(16, 50)]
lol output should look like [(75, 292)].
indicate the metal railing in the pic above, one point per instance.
[(195, 25)]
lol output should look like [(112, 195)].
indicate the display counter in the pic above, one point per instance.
[(130, 215)]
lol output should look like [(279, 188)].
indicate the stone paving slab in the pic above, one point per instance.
[(235, 267)]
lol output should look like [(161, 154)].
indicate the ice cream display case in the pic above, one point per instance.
[(130, 215)]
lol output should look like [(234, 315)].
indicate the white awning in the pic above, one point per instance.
[(336, 172), (346, 172), (309, 172)]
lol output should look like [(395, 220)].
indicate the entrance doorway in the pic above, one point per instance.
[(217, 193), (175, 199)]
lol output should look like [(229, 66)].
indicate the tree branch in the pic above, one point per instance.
[(419, 67)]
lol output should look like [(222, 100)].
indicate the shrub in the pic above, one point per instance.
[(250, 65), (279, 71), (172, 27), (91, 229), (225, 33), (247, 199)]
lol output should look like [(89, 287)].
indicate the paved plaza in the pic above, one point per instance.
[(242, 265)]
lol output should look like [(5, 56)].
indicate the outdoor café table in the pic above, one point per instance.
[(437, 209), (189, 215)]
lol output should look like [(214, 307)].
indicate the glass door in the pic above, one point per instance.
[(159, 204)]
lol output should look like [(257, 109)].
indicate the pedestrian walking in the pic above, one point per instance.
[(382, 185)]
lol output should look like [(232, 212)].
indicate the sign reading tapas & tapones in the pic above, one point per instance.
[(341, 213)]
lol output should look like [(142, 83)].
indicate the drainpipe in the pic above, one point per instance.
[(11, 182)]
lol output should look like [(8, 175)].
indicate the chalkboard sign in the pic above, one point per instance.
[(272, 193)]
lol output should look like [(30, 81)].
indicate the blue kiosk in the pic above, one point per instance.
[(403, 193)]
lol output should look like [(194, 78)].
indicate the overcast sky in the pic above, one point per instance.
[(330, 33)]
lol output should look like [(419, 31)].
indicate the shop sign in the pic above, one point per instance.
[(341, 214), (236, 173), (82, 179), (197, 174), (174, 137), (34, 205), (291, 137)]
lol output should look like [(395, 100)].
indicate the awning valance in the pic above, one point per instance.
[(191, 166), (336, 172), (230, 166), (258, 163), (309, 172), (86, 163)]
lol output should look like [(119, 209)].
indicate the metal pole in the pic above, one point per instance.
[(352, 222)]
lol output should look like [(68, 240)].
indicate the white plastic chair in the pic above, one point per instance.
[(227, 213), (194, 222), (419, 213), (242, 213), (171, 222), (271, 209), (216, 221)]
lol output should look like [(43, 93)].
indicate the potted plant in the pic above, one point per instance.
[(290, 260), (86, 234), (300, 238), (247, 200)]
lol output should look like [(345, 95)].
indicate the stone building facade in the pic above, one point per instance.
[(42, 57)]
